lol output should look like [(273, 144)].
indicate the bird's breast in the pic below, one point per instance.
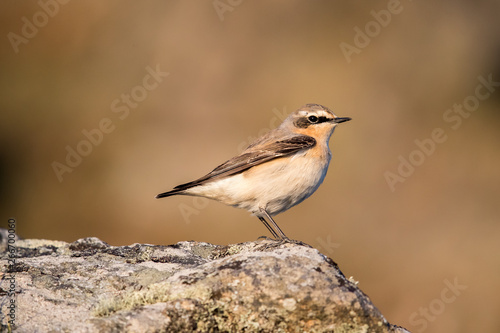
[(285, 182)]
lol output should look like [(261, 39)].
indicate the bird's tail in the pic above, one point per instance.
[(170, 193)]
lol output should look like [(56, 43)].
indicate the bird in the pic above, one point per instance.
[(277, 171)]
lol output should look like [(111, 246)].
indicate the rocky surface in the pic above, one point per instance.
[(261, 286)]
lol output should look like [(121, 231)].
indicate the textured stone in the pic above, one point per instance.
[(261, 286)]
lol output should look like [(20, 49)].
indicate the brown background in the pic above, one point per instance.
[(229, 80)]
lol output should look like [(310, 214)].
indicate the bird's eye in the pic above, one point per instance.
[(313, 119)]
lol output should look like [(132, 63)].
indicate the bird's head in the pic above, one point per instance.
[(313, 120)]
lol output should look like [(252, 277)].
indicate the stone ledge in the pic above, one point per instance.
[(261, 286)]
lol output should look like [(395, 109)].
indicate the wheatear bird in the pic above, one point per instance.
[(278, 171)]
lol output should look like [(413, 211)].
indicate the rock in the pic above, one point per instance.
[(261, 286)]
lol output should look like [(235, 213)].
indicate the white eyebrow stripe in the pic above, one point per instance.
[(322, 113)]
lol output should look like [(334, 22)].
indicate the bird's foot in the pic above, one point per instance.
[(276, 242), (293, 241)]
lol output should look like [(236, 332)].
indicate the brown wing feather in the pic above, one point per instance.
[(248, 159)]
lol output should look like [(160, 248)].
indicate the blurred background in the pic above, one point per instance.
[(105, 104)]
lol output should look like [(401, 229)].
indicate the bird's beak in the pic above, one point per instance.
[(339, 120)]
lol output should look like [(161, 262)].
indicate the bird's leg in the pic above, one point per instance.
[(281, 235), (263, 220)]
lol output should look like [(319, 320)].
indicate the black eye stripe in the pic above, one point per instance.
[(304, 122), (316, 120)]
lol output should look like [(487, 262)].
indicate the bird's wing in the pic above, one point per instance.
[(251, 157)]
